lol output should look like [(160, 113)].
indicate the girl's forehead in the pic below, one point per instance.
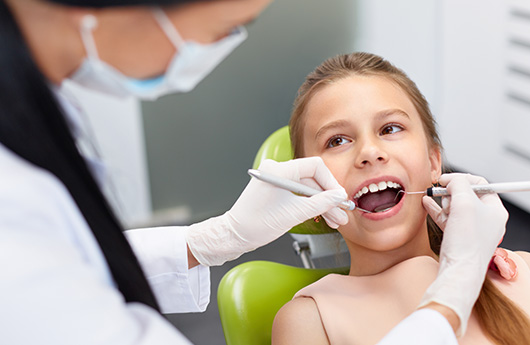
[(358, 87), (358, 96)]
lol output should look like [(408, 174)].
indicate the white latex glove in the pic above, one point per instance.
[(473, 226), (264, 212)]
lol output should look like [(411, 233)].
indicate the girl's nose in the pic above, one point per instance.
[(370, 152)]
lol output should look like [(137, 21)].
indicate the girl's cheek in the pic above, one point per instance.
[(337, 169)]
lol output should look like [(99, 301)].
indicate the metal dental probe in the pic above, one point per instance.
[(502, 187), (297, 188)]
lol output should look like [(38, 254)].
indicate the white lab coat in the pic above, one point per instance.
[(55, 285), (423, 327)]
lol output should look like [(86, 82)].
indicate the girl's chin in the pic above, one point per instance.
[(391, 239)]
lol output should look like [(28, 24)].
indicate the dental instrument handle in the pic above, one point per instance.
[(503, 187), (294, 187)]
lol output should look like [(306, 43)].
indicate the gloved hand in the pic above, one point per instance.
[(264, 212), (473, 226)]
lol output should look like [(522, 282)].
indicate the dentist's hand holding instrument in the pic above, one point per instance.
[(264, 212), (473, 225), (295, 187)]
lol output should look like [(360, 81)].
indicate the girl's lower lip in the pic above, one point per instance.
[(386, 214)]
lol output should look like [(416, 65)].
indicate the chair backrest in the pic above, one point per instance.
[(250, 295)]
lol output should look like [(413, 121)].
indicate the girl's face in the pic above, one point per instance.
[(370, 136)]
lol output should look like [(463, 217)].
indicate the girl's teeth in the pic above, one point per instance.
[(377, 187)]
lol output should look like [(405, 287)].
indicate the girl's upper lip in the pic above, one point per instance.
[(376, 180)]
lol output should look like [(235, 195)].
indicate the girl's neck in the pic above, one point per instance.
[(366, 261)]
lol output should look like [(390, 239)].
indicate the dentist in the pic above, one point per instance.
[(70, 275)]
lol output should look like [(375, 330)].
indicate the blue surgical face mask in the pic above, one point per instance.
[(191, 63)]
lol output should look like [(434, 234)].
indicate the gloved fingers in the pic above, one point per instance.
[(264, 212), (330, 222), (472, 179), (455, 184), (316, 186), (288, 170), (310, 182), (435, 211), (472, 230), (469, 208), (336, 217), (314, 167), (326, 204), (446, 204), (462, 196), (295, 169), (310, 171), (273, 167), (458, 184)]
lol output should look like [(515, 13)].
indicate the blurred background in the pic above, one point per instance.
[(184, 157)]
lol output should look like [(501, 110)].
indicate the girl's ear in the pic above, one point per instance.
[(435, 158)]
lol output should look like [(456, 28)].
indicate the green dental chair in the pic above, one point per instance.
[(250, 295)]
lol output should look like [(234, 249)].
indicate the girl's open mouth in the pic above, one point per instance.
[(379, 197)]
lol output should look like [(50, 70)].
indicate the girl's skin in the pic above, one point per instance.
[(367, 130)]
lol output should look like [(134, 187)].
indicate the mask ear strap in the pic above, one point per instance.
[(168, 27), (88, 24)]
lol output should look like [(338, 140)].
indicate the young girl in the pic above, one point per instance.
[(374, 130)]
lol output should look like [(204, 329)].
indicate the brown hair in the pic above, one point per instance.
[(362, 64), (500, 318)]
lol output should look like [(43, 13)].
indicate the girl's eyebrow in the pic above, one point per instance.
[(344, 123), (331, 125), (388, 112)]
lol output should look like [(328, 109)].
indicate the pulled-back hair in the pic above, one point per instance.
[(360, 64), (32, 125), (500, 318)]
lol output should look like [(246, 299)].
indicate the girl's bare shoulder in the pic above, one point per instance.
[(298, 322)]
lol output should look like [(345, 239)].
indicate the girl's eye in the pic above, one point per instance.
[(337, 141), (391, 129)]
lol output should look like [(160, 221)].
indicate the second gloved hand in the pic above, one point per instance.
[(264, 212), (473, 227)]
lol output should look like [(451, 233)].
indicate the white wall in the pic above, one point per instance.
[(405, 33), (483, 126), (459, 53)]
